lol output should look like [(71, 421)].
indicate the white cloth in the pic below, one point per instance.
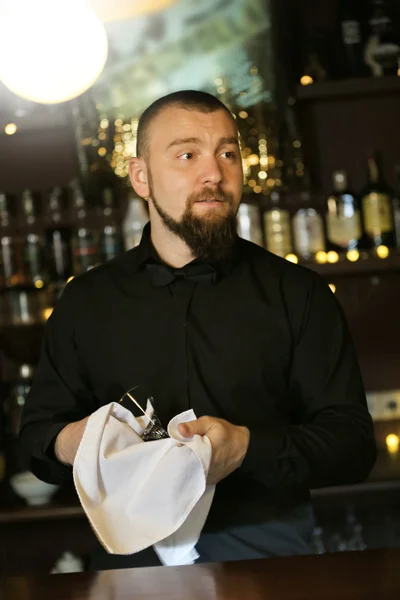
[(138, 494)]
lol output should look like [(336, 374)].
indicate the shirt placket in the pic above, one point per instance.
[(182, 293)]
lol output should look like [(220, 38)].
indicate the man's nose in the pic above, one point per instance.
[(212, 171)]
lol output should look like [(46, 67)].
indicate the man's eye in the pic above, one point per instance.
[(186, 155), (229, 154)]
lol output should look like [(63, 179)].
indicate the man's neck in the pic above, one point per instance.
[(170, 248)]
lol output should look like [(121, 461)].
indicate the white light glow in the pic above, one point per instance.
[(10, 129), (51, 51)]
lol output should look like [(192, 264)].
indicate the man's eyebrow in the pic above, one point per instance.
[(180, 141), (228, 140), (194, 140)]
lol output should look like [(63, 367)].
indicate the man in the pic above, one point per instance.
[(257, 346)]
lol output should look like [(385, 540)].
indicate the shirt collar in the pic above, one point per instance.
[(147, 253)]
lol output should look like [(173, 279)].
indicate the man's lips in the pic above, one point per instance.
[(210, 200)]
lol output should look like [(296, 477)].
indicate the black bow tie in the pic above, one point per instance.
[(162, 275)]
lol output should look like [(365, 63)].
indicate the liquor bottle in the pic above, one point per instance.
[(134, 221), (352, 39), (12, 411), (377, 207), (277, 226), (33, 245), (10, 266), (110, 243), (396, 207), (58, 238), (308, 229), (249, 223), (343, 219), (382, 51), (84, 243)]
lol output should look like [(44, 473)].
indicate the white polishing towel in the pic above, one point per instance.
[(138, 494)]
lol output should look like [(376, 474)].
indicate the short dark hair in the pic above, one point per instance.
[(188, 99)]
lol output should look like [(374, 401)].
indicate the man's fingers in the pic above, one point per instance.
[(198, 427)]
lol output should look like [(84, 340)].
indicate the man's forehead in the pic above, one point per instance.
[(175, 120)]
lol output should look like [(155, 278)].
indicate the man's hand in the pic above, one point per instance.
[(229, 444), (68, 440)]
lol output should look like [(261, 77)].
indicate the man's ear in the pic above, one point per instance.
[(138, 176)]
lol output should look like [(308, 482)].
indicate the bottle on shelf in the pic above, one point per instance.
[(249, 223), (10, 266), (351, 35), (135, 219), (110, 242), (377, 207), (396, 207), (382, 50), (58, 237), (12, 411), (343, 219), (308, 229), (277, 226), (84, 242), (33, 244)]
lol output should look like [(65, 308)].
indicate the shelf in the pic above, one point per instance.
[(368, 266), (382, 487), (40, 513), (348, 88), (382, 484), (65, 505)]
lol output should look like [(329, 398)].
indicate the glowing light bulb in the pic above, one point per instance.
[(321, 257), (306, 80), (382, 251), (10, 128), (253, 159), (59, 49), (353, 255), (333, 287), (392, 443), (292, 258), (332, 257)]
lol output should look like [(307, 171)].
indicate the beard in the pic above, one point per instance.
[(210, 237)]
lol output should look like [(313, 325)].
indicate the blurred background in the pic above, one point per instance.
[(315, 90)]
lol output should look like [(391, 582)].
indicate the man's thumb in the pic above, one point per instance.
[(198, 427), (188, 430)]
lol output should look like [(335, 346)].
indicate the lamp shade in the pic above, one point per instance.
[(51, 50)]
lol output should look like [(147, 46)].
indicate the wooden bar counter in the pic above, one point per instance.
[(370, 575)]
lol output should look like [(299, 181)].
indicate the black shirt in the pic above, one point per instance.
[(266, 346)]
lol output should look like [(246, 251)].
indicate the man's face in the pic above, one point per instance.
[(195, 177)]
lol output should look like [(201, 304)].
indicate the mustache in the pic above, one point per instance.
[(209, 194)]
